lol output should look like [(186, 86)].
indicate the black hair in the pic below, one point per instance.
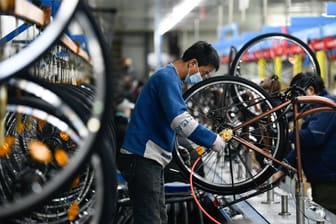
[(306, 79), (204, 53)]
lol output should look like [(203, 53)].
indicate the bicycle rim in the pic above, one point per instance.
[(238, 169), (89, 118), (88, 197), (274, 53)]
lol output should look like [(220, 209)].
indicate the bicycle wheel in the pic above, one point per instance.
[(237, 169), (274, 54), (89, 197), (87, 118)]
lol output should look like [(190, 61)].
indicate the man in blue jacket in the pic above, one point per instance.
[(318, 145), (159, 114)]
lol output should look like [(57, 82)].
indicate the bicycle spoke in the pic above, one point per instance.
[(229, 104), (54, 133)]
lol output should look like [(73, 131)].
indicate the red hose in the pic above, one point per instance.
[(194, 195)]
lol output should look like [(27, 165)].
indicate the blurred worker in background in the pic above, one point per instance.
[(128, 79), (121, 119)]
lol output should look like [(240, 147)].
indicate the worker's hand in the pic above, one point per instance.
[(278, 176), (219, 144)]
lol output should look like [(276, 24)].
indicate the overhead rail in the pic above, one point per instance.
[(40, 16), (74, 47), (26, 10)]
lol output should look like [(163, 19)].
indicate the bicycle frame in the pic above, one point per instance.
[(328, 105)]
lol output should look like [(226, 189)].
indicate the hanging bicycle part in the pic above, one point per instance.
[(22, 43)]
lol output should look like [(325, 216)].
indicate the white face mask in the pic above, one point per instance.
[(194, 78)]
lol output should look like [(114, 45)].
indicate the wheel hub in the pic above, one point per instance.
[(226, 134)]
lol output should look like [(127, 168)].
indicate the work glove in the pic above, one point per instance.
[(219, 144)]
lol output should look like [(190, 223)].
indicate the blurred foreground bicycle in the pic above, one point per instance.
[(57, 142)]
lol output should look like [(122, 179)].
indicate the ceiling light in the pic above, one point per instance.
[(178, 13)]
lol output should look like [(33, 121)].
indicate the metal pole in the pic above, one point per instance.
[(269, 195), (219, 19), (300, 208), (230, 11), (300, 211), (157, 35), (264, 14), (196, 29), (284, 205)]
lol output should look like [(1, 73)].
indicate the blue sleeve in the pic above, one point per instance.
[(203, 136), (314, 131), (173, 104), (291, 158)]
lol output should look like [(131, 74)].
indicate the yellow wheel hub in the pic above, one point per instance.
[(226, 134)]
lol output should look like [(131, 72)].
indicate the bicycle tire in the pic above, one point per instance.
[(232, 54), (100, 112), (16, 165), (75, 97), (211, 103), (98, 196), (263, 46)]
